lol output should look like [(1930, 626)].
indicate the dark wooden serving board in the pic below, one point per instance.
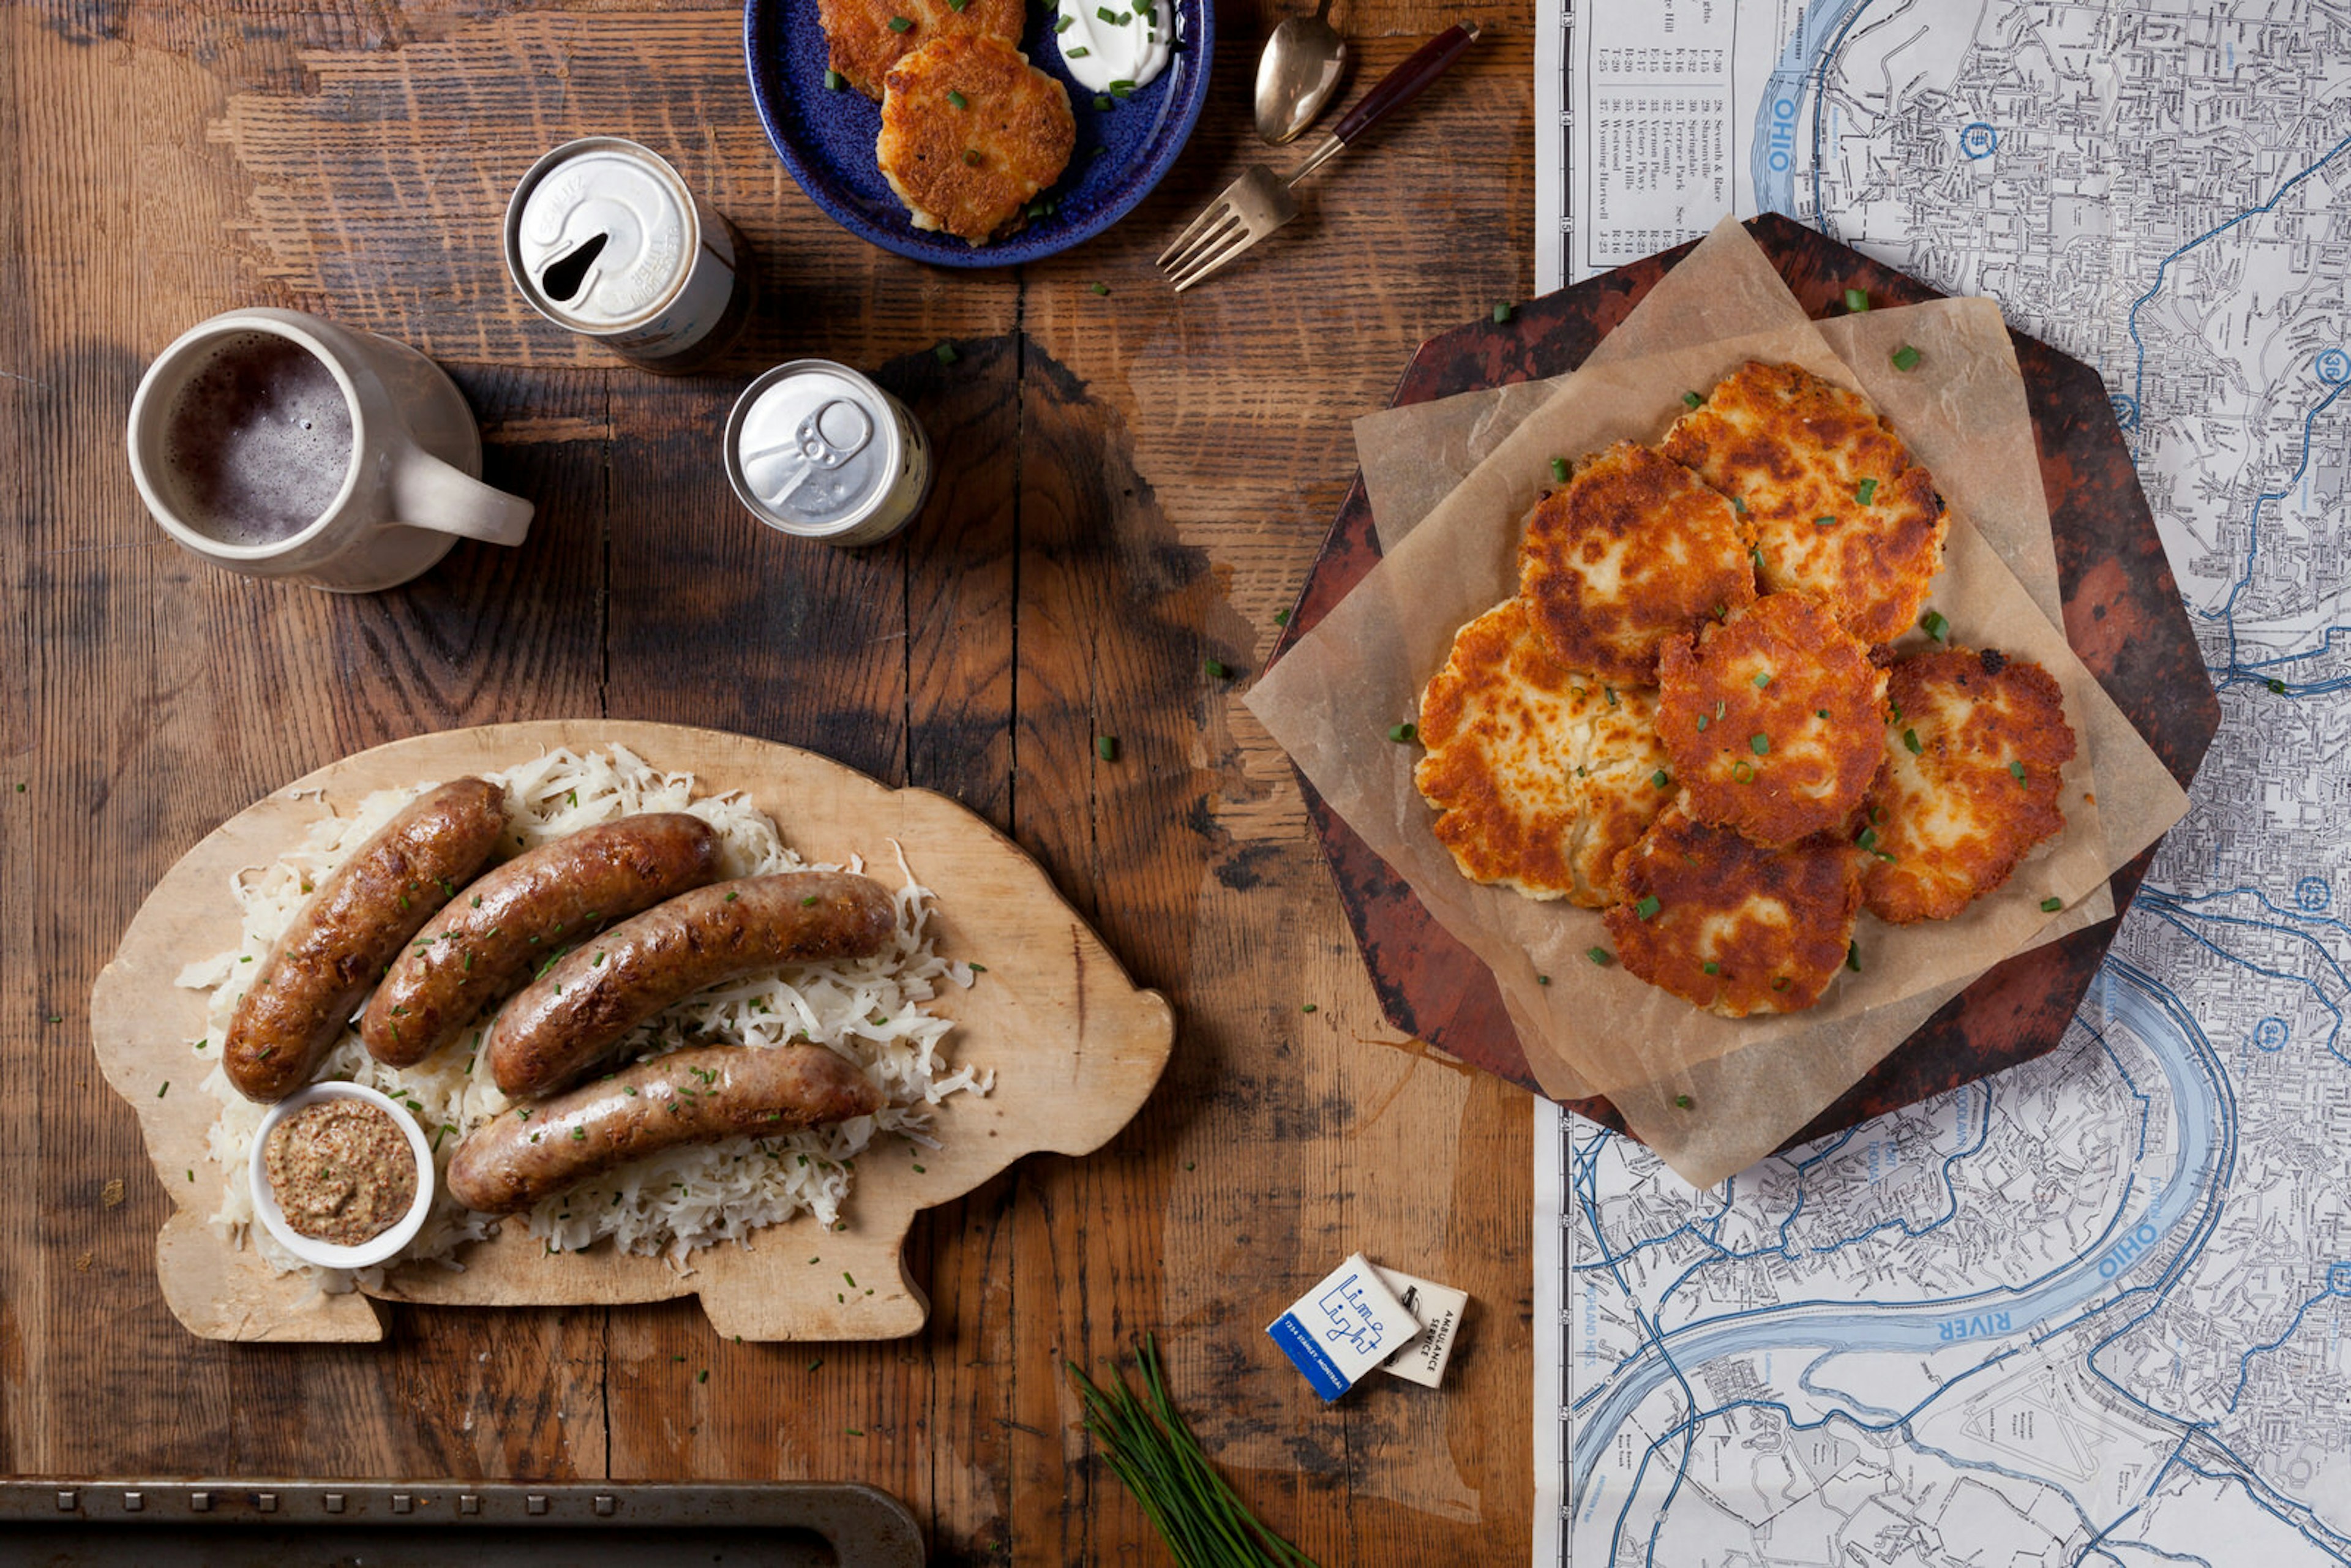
[(2123, 616)]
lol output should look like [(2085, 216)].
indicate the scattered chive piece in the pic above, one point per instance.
[(900, 24), (733, 896), (1738, 503), (1065, 24), (1852, 957), (1400, 733), (971, 156), (1215, 669), (1080, 52), (163, 1091), (1505, 311), (1742, 772), (977, 968), (1102, 102), (1106, 748), (1660, 778), (1778, 982), (1905, 358), (1933, 624), (1759, 744), (1910, 739), (945, 354), (1755, 554), (1865, 490), (1647, 908), (1107, 14), (1121, 89), (1306, 1008), (1701, 721), (1099, 288), (1542, 980), (1856, 300), (1868, 839), (1691, 399), (1610, 693), (2016, 769), (1598, 956), (1559, 469), (1762, 679), (834, 82), (1820, 713), (810, 902), (2052, 906), (1281, 617), (1823, 522), (1712, 968), (1878, 813), (1683, 1101)]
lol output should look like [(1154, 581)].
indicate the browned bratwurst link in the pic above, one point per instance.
[(342, 941), (486, 940), (570, 1019), (694, 1096)]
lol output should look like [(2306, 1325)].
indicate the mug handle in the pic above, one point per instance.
[(427, 493)]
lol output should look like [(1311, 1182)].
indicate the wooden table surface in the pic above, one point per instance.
[(1128, 485)]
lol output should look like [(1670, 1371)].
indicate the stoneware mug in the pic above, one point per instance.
[(411, 488)]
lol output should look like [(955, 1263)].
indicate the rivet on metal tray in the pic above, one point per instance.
[(535, 1502), (402, 1502), (334, 1501), (65, 1501), (469, 1503), (201, 1501), (604, 1504), (266, 1501), (133, 1502)]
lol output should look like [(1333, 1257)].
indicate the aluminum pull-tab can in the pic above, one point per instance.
[(605, 239), (819, 452)]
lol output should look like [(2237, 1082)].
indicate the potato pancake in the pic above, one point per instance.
[(1774, 719), (1838, 509), (1973, 754), (863, 45), (1540, 775), (1729, 926), (1635, 548), (970, 133)]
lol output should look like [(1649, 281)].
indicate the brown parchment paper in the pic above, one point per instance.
[(1753, 1081)]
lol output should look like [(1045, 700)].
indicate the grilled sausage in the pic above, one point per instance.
[(570, 1018), (523, 913), (699, 1095), (340, 942)]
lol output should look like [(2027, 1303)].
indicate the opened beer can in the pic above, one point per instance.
[(817, 451), (604, 238)]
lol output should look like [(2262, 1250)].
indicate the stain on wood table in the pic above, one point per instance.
[(1128, 487)]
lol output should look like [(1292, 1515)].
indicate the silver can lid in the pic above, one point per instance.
[(600, 233), (813, 448)]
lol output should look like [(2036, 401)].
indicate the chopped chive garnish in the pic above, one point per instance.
[(1712, 968), (1865, 490), (1820, 713), (1107, 14), (1701, 721), (1106, 748), (1823, 522), (1868, 839), (1065, 24), (971, 156), (1660, 778), (1559, 469), (1762, 679), (1759, 744), (477, 901), (1778, 982), (1905, 358), (163, 1091), (1307, 1008), (945, 354), (1281, 617), (1755, 554), (1647, 908), (1099, 288), (1743, 772), (1738, 503), (834, 82), (810, 902), (1121, 89), (1598, 956), (1852, 957), (731, 897), (1691, 399), (1910, 739), (900, 24), (1080, 53), (1878, 813), (1401, 733), (1102, 102), (2052, 906), (958, 100), (1856, 300), (1215, 669), (1933, 624), (2016, 770), (1610, 693), (1503, 312), (1542, 980)]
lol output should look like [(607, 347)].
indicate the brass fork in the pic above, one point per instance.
[(1255, 204)]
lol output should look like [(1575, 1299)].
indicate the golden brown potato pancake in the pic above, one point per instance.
[(1633, 549), (970, 133), (1973, 754), (1540, 775), (1773, 719), (864, 45), (1729, 926), (1838, 509)]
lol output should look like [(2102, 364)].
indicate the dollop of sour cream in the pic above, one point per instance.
[(1115, 45)]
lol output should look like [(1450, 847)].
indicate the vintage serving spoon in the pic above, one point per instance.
[(1296, 74)]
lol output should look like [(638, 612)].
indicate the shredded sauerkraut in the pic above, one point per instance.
[(869, 1011)]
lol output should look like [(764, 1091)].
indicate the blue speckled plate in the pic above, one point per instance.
[(826, 138)]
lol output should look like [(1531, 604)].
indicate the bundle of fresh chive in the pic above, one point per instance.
[(1151, 1449)]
